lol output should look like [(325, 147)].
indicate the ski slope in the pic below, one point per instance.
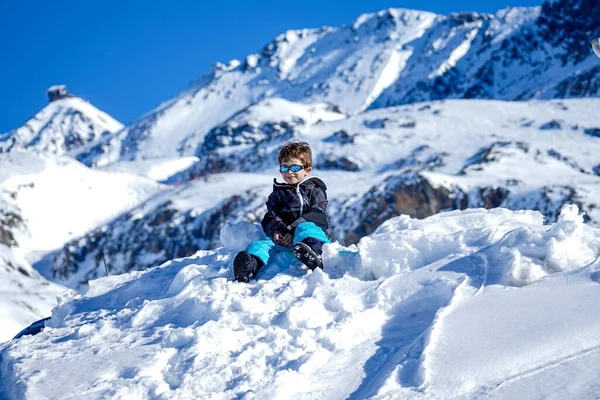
[(464, 304)]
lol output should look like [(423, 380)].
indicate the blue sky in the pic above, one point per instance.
[(128, 56)]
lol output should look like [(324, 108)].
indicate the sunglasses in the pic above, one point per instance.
[(293, 168)]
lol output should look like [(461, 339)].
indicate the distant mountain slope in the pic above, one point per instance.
[(62, 126), (417, 159), (58, 198), (393, 57)]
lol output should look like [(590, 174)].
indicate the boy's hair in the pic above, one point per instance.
[(299, 150)]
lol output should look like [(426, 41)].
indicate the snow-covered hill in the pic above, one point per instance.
[(46, 201), (416, 160), (60, 199), (393, 57), (463, 304), (62, 126)]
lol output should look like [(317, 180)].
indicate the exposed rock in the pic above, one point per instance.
[(246, 134), (408, 194), (571, 163), (568, 25), (468, 17), (341, 137), (378, 123), (331, 161), (592, 132), (492, 153), (580, 84), (554, 124), (493, 197), (10, 222)]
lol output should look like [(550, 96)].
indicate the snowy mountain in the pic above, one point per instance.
[(416, 160), (65, 124), (389, 58), (408, 115), (46, 201), (461, 305)]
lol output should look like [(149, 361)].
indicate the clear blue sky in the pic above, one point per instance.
[(127, 56)]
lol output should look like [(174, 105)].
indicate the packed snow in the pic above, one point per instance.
[(464, 304)]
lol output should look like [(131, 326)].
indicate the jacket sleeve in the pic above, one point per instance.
[(271, 222), (317, 211)]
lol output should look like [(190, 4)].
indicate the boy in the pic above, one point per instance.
[(295, 220)]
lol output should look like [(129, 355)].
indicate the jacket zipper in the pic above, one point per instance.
[(301, 199)]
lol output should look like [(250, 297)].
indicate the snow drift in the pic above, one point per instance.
[(461, 304)]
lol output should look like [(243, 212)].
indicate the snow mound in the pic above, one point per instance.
[(415, 310)]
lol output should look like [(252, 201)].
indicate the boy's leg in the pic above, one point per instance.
[(262, 249), (247, 263), (308, 244)]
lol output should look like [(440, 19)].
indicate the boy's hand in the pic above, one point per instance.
[(283, 239)]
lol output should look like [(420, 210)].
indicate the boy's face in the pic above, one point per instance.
[(291, 177)]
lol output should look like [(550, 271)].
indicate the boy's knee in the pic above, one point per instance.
[(310, 229)]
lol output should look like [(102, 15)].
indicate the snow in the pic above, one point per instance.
[(389, 74), (456, 54), (281, 110), (463, 304), (49, 129), (54, 88), (158, 170), (79, 198), (458, 305), (252, 60), (55, 200), (25, 296)]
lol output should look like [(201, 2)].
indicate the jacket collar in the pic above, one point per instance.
[(277, 184)]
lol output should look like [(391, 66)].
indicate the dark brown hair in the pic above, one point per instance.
[(299, 150)]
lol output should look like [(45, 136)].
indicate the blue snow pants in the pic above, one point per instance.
[(265, 249)]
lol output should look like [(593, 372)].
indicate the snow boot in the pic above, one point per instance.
[(309, 255), (245, 267)]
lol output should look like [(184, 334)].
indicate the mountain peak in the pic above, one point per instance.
[(391, 17), (66, 123)]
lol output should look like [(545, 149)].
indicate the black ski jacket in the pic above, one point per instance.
[(289, 205)]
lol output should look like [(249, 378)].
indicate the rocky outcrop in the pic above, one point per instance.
[(570, 25), (410, 194), (327, 161), (11, 222)]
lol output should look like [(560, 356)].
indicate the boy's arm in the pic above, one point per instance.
[(317, 213), (271, 222)]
